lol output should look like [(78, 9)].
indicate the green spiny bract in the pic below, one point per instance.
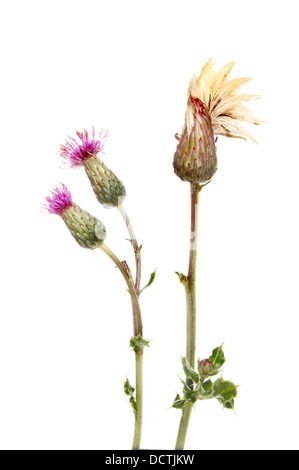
[(88, 231), (108, 189), (195, 158)]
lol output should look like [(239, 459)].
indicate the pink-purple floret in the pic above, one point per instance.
[(59, 201), (76, 152)]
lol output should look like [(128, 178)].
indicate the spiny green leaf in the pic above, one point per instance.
[(224, 390), (189, 394), (128, 389), (133, 404), (178, 403), (212, 374), (217, 358), (229, 405), (152, 278), (205, 391), (190, 373), (137, 343)]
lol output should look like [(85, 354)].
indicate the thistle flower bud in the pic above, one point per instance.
[(87, 230), (205, 367), (195, 158), (109, 190)]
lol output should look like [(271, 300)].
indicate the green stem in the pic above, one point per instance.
[(137, 320), (184, 423), (139, 400), (190, 287), (138, 355), (138, 330), (135, 247)]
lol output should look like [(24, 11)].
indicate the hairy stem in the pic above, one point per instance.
[(190, 287), (135, 247), (138, 330), (139, 355), (137, 320)]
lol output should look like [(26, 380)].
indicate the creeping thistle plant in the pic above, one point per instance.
[(90, 233), (214, 108)]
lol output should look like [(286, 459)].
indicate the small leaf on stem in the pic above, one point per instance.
[(189, 394), (217, 358), (225, 392), (133, 404), (205, 391), (178, 403), (137, 343), (152, 278), (189, 372), (128, 389), (183, 279), (139, 250)]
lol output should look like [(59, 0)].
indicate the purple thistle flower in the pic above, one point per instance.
[(59, 201), (88, 231), (77, 152)]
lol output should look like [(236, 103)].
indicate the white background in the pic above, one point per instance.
[(65, 316)]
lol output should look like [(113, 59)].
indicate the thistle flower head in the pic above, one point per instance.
[(76, 152), (108, 189), (59, 201), (214, 107), (224, 104), (195, 158), (88, 231)]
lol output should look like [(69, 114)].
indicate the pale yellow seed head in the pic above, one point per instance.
[(224, 104)]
